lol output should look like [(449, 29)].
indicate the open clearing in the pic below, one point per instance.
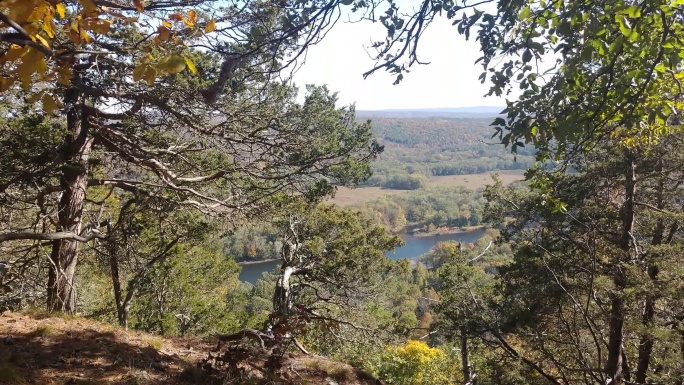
[(350, 197)]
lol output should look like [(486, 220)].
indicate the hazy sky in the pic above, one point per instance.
[(451, 80)]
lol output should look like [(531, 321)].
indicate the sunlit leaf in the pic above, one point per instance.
[(139, 72), (6, 83), (150, 75), (211, 25), (49, 104), (61, 10), (88, 6), (191, 65), (164, 33), (100, 26), (172, 64), (139, 5), (42, 41), (15, 52), (47, 25)]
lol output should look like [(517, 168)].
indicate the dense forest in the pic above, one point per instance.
[(147, 146), (417, 148)]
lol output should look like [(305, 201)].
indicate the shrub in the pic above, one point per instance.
[(416, 363)]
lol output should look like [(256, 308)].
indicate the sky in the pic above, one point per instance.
[(451, 80)]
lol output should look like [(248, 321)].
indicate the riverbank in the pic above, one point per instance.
[(246, 263), (447, 230)]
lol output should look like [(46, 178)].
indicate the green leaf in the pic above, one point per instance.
[(527, 56), (172, 64)]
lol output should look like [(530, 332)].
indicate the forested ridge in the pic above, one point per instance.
[(149, 145), (416, 148)]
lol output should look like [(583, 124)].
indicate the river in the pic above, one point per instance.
[(415, 246)]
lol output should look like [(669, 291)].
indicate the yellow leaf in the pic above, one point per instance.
[(64, 75), (139, 72), (41, 67), (30, 63), (6, 83), (172, 64), (49, 104), (61, 10), (150, 74), (40, 11), (211, 25), (84, 36), (88, 6), (192, 15), (75, 37), (191, 65), (15, 52), (139, 5), (42, 41), (36, 97), (20, 11), (167, 24), (96, 25), (48, 26), (164, 33)]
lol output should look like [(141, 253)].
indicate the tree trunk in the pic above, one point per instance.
[(282, 296), (121, 310), (64, 255), (614, 362), (465, 359), (646, 341)]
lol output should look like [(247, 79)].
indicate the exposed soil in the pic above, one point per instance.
[(56, 350)]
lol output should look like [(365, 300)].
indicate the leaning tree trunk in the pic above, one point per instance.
[(76, 151)]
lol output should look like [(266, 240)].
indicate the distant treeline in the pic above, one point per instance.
[(424, 209), (416, 148), (428, 208)]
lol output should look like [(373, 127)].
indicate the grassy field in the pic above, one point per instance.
[(350, 197)]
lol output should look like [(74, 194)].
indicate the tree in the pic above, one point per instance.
[(602, 305), (145, 235), (223, 137), (332, 263), (587, 69)]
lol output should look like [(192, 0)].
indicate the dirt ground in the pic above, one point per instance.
[(35, 349)]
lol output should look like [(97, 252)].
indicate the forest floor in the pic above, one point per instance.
[(354, 196), (38, 349)]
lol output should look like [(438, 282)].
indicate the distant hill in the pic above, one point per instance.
[(457, 112), (439, 146)]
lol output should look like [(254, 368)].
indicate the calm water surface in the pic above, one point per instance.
[(415, 247)]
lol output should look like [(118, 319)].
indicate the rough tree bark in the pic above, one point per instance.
[(75, 154), (614, 362), (646, 341)]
